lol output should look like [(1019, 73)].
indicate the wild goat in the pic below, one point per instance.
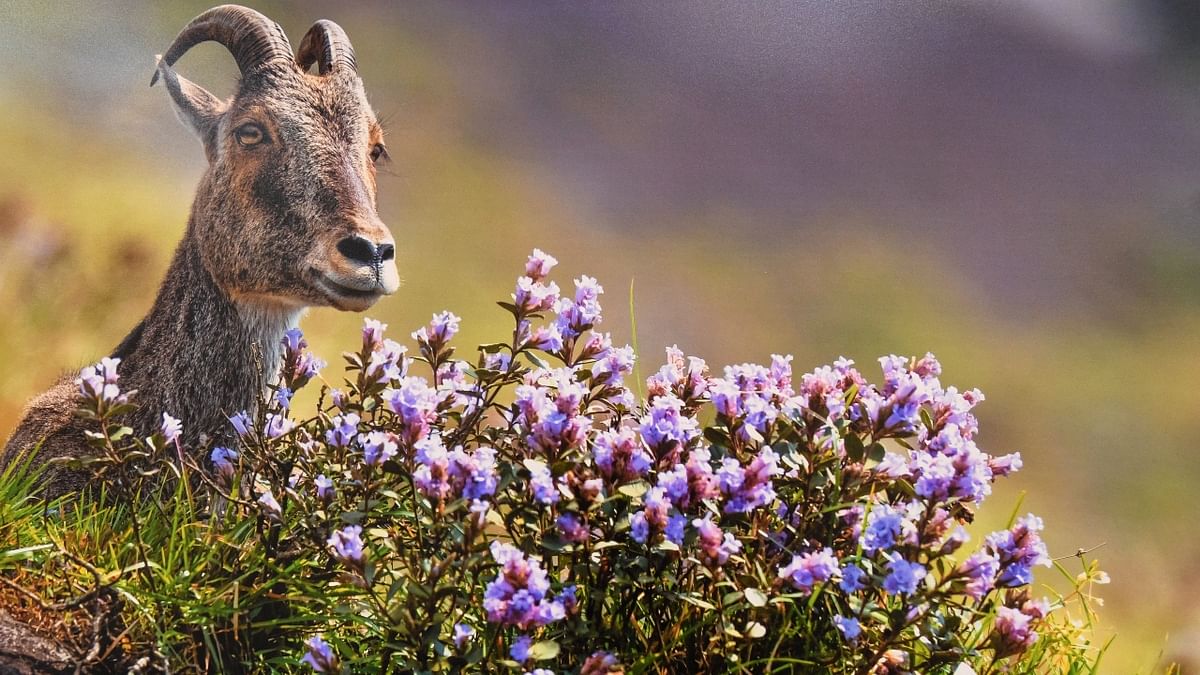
[(283, 219)]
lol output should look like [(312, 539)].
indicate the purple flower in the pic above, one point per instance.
[(853, 579), (98, 383), (532, 296), (415, 402), (320, 656), (903, 576), (600, 663), (324, 488), (342, 431), (546, 338), (1018, 550), (750, 488), (1013, 631), (387, 363), (443, 474), (1006, 464), (666, 427), (567, 598), (980, 571), (277, 425), (620, 456), (441, 329), (270, 507), (639, 527), (716, 545), (454, 384), (520, 649), (372, 334), (347, 545), (338, 398), (307, 367), (883, 527), (462, 635), (222, 460), (807, 570), (675, 530), (539, 264), (541, 481), (293, 340), (283, 396), (685, 377), (378, 447), (171, 428), (518, 594), (571, 528), (241, 423), (612, 365), (580, 314), (849, 627)]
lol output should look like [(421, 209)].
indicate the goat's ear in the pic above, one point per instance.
[(199, 110)]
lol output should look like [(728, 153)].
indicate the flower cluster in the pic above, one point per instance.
[(445, 475), (526, 507), (520, 594), (98, 385)]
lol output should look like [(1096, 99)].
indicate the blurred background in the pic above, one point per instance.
[(1014, 186)]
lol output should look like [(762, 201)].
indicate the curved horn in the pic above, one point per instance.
[(326, 44), (252, 38)]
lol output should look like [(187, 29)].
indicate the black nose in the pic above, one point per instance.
[(362, 251)]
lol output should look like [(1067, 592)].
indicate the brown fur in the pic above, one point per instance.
[(261, 245)]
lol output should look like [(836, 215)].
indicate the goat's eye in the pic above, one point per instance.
[(250, 134), (378, 152)]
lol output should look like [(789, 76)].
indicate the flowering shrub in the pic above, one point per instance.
[(528, 511)]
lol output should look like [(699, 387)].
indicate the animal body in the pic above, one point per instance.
[(283, 219)]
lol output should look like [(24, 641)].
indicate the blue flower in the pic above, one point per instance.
[(347, 545), (853, 579), (277, 425), (241, 423), (520, 649), (807, 570), (541, 481), (223, 459), (343, 430), (320, 656), (270, 507), (378, 447), (883, 526), (849, 627), (324, 488), (903, 576), (462, 635)]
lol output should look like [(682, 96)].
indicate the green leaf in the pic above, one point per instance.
[(854, 448), (544, 650), (634, 490), (533, 465), (699, 602), (927, 418), (716, 436), (755, 597), (876, 451), (754, 630), (121, 433)]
